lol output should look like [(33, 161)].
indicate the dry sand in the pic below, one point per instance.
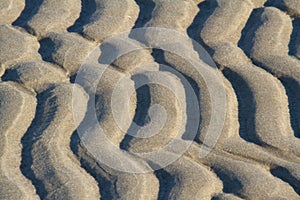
[(256, 47)]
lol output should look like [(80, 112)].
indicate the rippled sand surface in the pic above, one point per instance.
[(169, 129)]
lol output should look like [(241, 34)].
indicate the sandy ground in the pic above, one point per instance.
[(247, 124)]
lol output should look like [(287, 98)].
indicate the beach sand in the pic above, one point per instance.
[(229, 132)]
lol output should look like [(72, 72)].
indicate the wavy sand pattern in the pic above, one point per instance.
[(255, 45)]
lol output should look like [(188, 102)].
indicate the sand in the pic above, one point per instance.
[(245, 145)]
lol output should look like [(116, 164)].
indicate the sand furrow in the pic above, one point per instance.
[(241, 125), (109, 18), (53, 16), (17, 111), (185, 179), (182, 171), (39, 76), (53, 163), (10, 10), (16, 46)]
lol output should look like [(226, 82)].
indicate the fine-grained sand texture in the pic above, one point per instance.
[(255, 45)]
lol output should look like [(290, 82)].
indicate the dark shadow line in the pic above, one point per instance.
[(188, 134), (272, 3), (159, 57), (277, 4), (104, 185), (292, 89), (145, 14), (47, 47), (207, 8), (88, 8), (166, 183), (286, 176), (295, 37), (246, 105), (11, 75), (291, 86), (40, 122), (246, 41), (230, 184), (31, 8), (141, 116)]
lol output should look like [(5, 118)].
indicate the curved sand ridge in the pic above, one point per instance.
[(53, 161), (240, 64), (46, 79), (165, 14), (16, 46), (112, 16), (190, 179), (292, 7), (272, 52), (135, 144), (69, 50), (117, 184), (36, 75), (247, 179), (17, 110), (257, 154), (229, 56), (53, 16), (114, 184), (10, 10)]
